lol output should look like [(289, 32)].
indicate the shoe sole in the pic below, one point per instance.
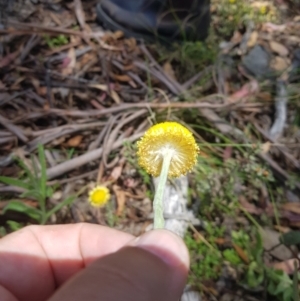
[(112, 25)]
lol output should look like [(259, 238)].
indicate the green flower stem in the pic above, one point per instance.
[(158, 206)]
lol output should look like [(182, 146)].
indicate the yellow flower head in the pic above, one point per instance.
[(263, 9), (163, 138), (99, 196)]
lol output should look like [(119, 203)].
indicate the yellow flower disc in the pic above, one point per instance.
[(167, 137), (99, 196)]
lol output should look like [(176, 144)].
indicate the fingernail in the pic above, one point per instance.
[(166, 245)]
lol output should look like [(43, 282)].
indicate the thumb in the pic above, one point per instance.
[(152, 267)]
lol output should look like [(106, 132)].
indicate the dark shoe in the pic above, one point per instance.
[(163, 20)]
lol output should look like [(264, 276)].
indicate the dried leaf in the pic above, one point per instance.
[(292, 207), (265, 148), (131, 44), (271, 27), (75, 141), (288, 266), (5, 61), (265, 96), (247, 90), (278, 48), (69, 63), (236, 37), (117, 35), (121, 199), (279, 64), (220, 241), (253, 39), (116, 172), (249, 207), (241, 253), (131, 183), (169, 70), (121, 77), (282, 229), (113, 94), (79, 13)]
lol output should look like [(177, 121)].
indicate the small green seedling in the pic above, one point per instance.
[(35, 186), (58, 41)]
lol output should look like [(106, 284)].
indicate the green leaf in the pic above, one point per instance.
[(49, 192), (283, 284), (288, 294), (254, 275), (23, 208), (290, 238), (2, 231), (258, 248), (43, 177), (14, 182), (28, 172), (14, 226), (231, 256), (296, 293), (35, 194), (66, 202)]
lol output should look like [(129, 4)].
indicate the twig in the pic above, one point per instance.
[(73, 179), (6, 140), (108, 142), (169, 84), (128, 106), (12, 97), (32, 145), (95, 144), (197, 77), (281, 148), (134, 76), (65, 128), (281, 110), (79, 14), (32, 42), (202, 238), (74, 163), (14, 129), (44, 28), (172, 81)]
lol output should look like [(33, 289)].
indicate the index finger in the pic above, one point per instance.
[(37, 259)]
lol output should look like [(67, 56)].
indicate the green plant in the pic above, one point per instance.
[(232, 257), (35, 187), (256, 274), (232, 13), (281, 285), (111, 217), (58, 41), (240, 238), (13, 225), (188, 58), (217, 181), (206, 264)]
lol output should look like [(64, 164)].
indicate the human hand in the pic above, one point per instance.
[(89, 262)]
